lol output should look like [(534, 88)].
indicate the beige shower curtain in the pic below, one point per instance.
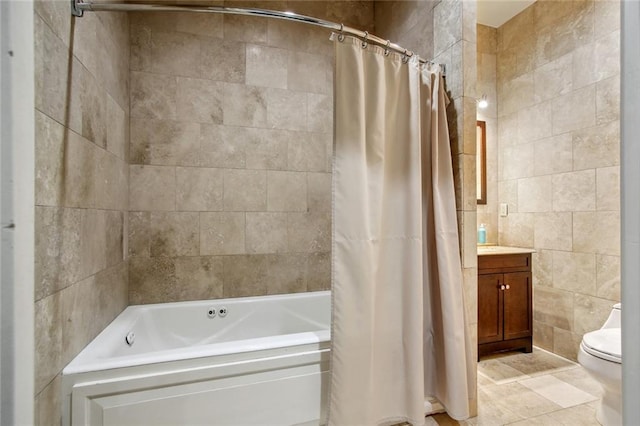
[(398, 318)]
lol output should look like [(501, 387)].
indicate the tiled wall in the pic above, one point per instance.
[(408, 23), (558, 69), (82, 107), (445, 30), (230, 156), (487, 86)]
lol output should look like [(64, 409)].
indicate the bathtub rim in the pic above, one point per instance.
[(89, 360)]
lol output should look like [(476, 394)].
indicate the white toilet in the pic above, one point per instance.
[(600, 354)]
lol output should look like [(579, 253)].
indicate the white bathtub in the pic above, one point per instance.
[(266, 362)]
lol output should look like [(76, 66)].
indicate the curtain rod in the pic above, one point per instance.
[(78, 7)]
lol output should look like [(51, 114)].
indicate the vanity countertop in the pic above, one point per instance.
[(489, 250)]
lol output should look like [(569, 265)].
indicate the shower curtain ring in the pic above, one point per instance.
[(405, 56), (386, 49), (341, 35), (365, 42)]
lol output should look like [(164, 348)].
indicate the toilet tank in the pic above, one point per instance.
[(614, 320)]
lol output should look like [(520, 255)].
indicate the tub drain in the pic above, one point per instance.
[(130, 338)]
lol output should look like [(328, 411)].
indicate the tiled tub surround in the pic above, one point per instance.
[(230, 157), (82, 109), (558, 160)]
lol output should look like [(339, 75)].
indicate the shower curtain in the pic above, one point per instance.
[(398, 333)]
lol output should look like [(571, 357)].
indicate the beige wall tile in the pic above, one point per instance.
[(596, 146), (199, 278), (151, 280), (310, 73), (48, 340), (199, 100), (542, 263), (51, 71), (575, 110), (516, 230), (553, 231), (309, 152), (553, 79), (469, 239), (553, 155), (175, 53), (517, 161), (608, 188), (566, 343), (318, 274), (534, 122), (515, 94), (225, 146), (49, 400), (199, 189), (245, 275), (534, 194), (153, 96), (608, 277), (319, 113), (584, 71), (268, 149), (487, 38), (245, 106), (447, 18), (222, 233), (174, 234), (575, 272), (204, 24), (309, 232), (553, 307), (245, 28), (607, 17), (597, 232), (574, 191), (139, 234), (164, 142), (152, 188), (232, 69), (319, 192), (245, 190), (543, 336), (607, 52), (286, 273), (266, 233), (508, 193), (93, 242), (57, 242), (286, 191), (286, 109), (608, 100), (50, 147), (590, 313), (80, 157), (117, 129), (115, 236), (266, 66)]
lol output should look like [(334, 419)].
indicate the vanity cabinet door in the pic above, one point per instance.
[(517, 305), (490, 312)]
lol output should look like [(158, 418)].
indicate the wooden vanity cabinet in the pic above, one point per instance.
[(504, 303)]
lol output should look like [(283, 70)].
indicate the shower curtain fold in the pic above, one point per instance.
[(398, 330)]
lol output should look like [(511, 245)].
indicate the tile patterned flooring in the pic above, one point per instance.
[(539, 388)]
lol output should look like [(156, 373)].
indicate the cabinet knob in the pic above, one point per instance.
[(502, 287), (507, 286)]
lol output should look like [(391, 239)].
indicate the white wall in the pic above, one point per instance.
[(16, 207), (630, 195)]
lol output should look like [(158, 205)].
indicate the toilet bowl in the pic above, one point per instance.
[(600, 354)]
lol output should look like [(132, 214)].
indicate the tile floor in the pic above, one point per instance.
[(539, 388)]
